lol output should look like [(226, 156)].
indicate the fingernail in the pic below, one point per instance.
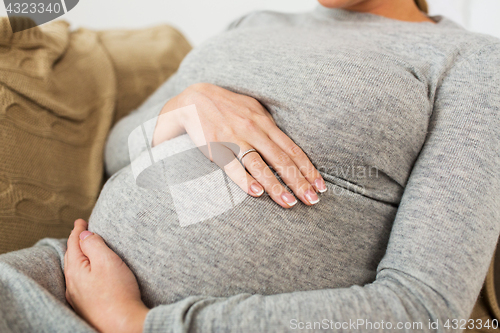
[(257, 189), (288, 199), (85, 234), (312, 197), (320, 185)]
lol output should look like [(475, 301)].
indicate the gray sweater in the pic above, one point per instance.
[(402, 120)]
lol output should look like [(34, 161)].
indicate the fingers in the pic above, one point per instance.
[(74, 254), (94, 247), (260, 176), (286, 168), (247, 183), (261, 172), (298, 157)]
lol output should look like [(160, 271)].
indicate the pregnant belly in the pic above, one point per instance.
[(205, 236)]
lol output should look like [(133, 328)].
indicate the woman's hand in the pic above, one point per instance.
[(99, 285), (223, 116)]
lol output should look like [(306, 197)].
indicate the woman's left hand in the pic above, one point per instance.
[(100, 286)]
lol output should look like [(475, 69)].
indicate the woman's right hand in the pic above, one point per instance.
[(223, 116)]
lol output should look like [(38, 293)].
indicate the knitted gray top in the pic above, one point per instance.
[(401, 118)]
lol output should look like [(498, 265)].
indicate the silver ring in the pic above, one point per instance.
[(247, 152)]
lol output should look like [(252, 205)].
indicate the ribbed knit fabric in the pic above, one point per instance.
[(401, 118), (60, 92), (57, 98)]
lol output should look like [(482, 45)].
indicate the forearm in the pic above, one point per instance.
[(129, 320), (395, 300)]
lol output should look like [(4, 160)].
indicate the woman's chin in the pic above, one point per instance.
[(339, 3)]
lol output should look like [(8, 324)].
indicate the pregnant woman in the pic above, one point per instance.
[(384, 219)]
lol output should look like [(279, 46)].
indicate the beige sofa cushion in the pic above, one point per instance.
[(60, 92)]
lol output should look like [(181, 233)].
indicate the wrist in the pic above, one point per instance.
[(137, 320), (129, 320), (168, 125)]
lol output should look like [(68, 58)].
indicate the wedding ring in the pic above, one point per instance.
[(240, 158)]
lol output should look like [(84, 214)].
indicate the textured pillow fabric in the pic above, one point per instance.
[(58, 96)]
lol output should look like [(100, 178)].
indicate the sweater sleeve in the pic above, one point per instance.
[(441, 244)]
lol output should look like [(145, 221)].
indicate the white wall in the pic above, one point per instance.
[(484, 15), (197, 19), (201, 19), (476, 15)]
